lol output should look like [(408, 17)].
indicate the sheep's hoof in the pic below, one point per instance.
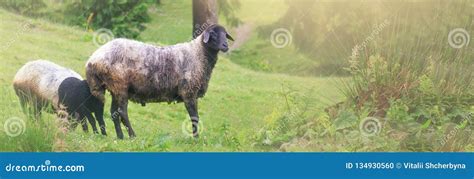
[(120, 137)]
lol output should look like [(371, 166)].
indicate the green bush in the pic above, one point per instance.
[(295, 118), (24, 7), (123, 18)]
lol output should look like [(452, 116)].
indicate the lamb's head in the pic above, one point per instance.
[(215, 37)]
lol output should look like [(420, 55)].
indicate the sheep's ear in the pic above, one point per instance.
[(229, 37), (206, 37)]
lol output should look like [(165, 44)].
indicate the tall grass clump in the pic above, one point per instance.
[(411, 76), (299, 118), (21, 130), (413, 62)]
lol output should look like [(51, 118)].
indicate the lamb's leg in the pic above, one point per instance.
[(23, 103), (73, 122), (116, 117), (124, 117), (37, 107), (83, 123), (191, 107), (91, 121), (99, 115)]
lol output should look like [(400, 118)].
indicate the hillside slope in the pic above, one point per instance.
[(232, 112)]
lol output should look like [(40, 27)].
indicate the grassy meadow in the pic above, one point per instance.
[(260, 98), (233, 110)]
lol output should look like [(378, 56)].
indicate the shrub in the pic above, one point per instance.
[(123, 18), (24, 7), (414, 79), (292, 120)]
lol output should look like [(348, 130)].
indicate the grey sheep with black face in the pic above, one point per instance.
[(143, 73), (40, 84)]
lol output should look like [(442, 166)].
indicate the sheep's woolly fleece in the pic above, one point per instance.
[(146, 73), (41, 79)]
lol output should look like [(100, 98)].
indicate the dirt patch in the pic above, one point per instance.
[(242, 34)]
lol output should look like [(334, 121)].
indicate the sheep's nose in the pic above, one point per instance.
[(225, 47)]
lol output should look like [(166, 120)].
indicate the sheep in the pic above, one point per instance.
[(143, 73), (42, 83), (74, 93)]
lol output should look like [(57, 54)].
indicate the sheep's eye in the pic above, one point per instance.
[(213, 35)]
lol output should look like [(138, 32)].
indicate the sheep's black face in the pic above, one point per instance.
[(215, 37)]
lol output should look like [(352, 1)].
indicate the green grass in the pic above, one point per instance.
[(232, 112), (170, 23), (261, 12), (254, 103), (258, 53)]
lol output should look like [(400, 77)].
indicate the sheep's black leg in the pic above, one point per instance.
[(191, 107), (85, 127), (99, 115), (91, 121), (124, 114), (116, 118)]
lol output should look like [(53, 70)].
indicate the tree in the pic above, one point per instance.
[(204, 15)]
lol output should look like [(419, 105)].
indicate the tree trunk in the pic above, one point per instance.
[(204, 15)]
